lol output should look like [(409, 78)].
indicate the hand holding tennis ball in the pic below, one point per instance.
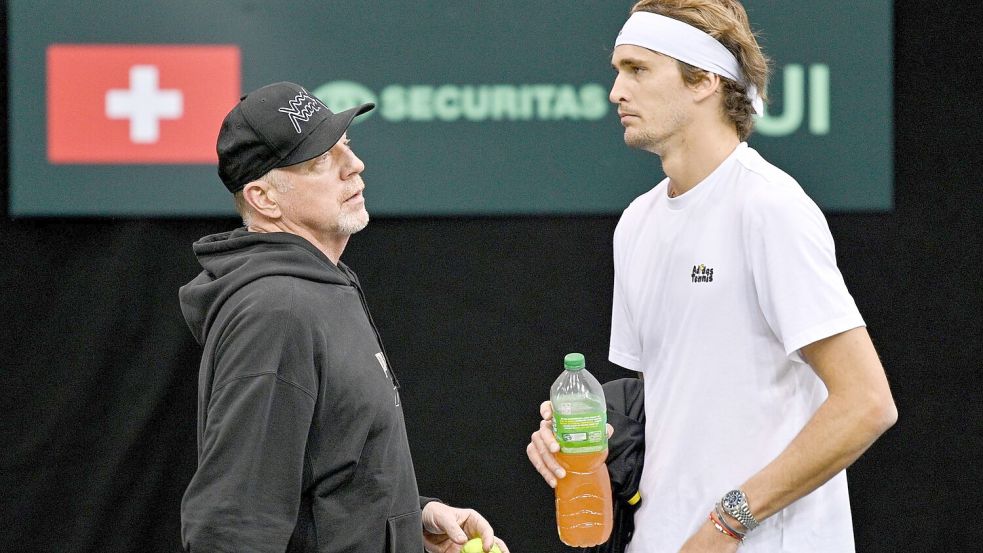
[(474, 546)]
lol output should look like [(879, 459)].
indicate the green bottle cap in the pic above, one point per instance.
[(573, 361)]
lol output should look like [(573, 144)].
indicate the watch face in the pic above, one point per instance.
[(732, 500)]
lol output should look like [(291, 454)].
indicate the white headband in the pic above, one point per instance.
[(687, 44)]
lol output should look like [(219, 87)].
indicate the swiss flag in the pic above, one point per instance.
[(113, 104)]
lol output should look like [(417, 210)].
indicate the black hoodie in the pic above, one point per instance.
[(301, 439)]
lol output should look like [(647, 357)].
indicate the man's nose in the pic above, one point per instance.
[(353, 165), (358, 163), (616, 96)]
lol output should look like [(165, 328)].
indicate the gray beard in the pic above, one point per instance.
[(350, 223)]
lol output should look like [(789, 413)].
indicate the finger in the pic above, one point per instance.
[(545, 444), (476, 525), (610, 430), (448, 521), (547, 437), (546, 410), (548, 446), (537, 462), (454, 531), (431, 545), (501, 545)]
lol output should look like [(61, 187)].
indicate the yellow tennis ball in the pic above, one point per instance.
[(474, 546)]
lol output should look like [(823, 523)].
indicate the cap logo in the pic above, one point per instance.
[(301, 108)]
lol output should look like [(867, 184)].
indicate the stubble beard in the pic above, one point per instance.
[(351, 222), (640, 140), (653, 141)]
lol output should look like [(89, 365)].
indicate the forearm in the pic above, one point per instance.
[(833, 439), (858, 410)]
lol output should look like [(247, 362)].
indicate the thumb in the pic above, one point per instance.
[(445, 519), (455, 533)]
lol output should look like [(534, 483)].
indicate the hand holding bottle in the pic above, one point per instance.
[(543, 447)]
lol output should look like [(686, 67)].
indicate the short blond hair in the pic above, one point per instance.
[(275, 178), (726, 21)]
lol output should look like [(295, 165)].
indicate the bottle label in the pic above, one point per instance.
[(583, 432)]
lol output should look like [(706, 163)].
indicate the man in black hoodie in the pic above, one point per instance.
[(302, 445)]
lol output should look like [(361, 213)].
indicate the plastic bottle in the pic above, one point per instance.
[(583, 496)]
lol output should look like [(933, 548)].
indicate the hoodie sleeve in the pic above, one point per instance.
[(246, 493)]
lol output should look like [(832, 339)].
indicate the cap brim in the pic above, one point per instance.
[(325, 136)]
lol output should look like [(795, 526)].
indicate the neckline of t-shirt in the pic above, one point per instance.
[(693, 195)]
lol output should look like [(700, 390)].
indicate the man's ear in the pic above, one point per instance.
[(707, 86), (262, 198)]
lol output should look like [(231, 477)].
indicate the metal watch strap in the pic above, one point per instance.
[(734, 503)]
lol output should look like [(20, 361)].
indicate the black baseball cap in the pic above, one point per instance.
[(278, 125)]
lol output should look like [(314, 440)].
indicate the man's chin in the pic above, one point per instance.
[(641, 141), (350, 224), (635, 140)]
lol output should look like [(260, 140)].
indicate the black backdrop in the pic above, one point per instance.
[(98, 374)]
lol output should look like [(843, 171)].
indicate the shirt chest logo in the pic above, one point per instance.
[(702, 273)]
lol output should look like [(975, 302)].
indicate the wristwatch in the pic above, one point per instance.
[(734, 503)]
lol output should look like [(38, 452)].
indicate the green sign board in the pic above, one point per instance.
[(483, 108)]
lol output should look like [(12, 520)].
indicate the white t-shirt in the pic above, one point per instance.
[(715, 292)]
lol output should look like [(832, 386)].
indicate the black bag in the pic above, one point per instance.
[(625, 399)]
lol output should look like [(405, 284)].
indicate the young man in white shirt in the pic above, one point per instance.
[(761, 382)]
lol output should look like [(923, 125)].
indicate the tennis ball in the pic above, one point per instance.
[(474, 546)]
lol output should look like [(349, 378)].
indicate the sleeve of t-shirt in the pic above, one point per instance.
[(624, 349), (799, 287), (246, 492)]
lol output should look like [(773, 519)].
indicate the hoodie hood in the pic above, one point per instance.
[(231, 260)]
